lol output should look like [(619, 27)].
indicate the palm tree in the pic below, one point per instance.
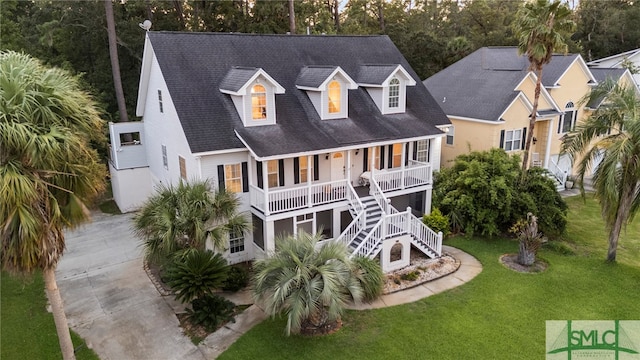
[(48, 171), (185, 216), (613, 132), (310, 285), (541, 28), (115, 64)]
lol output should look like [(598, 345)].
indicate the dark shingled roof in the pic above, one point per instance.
[(554, 70), (375, 74), (481, 85), (314, 76), (601, 75), (236, 78), (195, 64)]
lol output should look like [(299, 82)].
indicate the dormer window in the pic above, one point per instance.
[(258, 102), (327, 88), (394, 93), (387, 86), (334, 94), (253, 93)]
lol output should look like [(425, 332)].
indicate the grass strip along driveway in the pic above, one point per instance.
[(27, 329), (498, 315)]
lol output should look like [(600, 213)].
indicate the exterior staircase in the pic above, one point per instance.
[(373, 216), (375, 220)]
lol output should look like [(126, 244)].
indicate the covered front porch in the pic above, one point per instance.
[(395, 181)]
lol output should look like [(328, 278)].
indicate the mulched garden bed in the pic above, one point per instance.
[(511, 262), (422, 269)]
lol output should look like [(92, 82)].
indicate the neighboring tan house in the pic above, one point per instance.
[(488, 97), (617, 61), (331, 134)]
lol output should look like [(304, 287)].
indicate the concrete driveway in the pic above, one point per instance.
[(109, 299)]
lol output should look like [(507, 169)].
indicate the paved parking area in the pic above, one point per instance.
[(109, 299)]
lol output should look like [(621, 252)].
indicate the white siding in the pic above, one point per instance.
[(165, 129)]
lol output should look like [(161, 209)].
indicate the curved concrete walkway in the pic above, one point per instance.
[(216, 343), (111, 302)]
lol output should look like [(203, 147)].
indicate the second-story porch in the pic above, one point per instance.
[(282, 185)]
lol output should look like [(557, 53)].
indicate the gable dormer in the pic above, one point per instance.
[(328, 89), (387, 86), (253, 93)]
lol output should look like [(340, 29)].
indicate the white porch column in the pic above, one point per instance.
[(335, 223), (403, 161), (310, 175), (269, 236), (250, 171), (265, 186), (427, 201), (372, 167), (547, 154), (348, 166), (373, 159), (435, 148)]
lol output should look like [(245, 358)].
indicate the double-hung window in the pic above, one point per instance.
[(233, 178), (160, 107), (273, 172), (303, 168), (397, 155), (422, 150), (335, 95), (165, 160), (450, 135), (258, 102), (512, 140), (236, 242), (568, 119), (183, 167), (394, 93)]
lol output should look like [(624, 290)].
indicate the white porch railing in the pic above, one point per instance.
[(354, 228), (288, 199), (360, 220), (422, 232), (417, 173), (396, 224), (378, 195), (371, 241), (557, 172)]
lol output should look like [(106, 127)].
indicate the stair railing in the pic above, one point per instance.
[(558, 173), (359, 222), (371, 240), (378, 195), (424, 235)]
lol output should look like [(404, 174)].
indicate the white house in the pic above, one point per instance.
[(317, 133), (618, 60)]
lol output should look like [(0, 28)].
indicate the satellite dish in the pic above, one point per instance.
[(145, 25)]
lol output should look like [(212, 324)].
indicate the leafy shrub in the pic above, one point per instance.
[(370, 276), (538, 195), (196, 274), (237, 278), (211, 311), (484, 193), (410, 276), (437, 222)]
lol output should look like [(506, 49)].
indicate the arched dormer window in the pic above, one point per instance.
[(335, 94), (394, 93), (258, 102), (568, 119)]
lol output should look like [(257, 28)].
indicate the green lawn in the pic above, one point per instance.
[(499, 314), (27, 330)]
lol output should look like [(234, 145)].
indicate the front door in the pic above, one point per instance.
[(337, 166)]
